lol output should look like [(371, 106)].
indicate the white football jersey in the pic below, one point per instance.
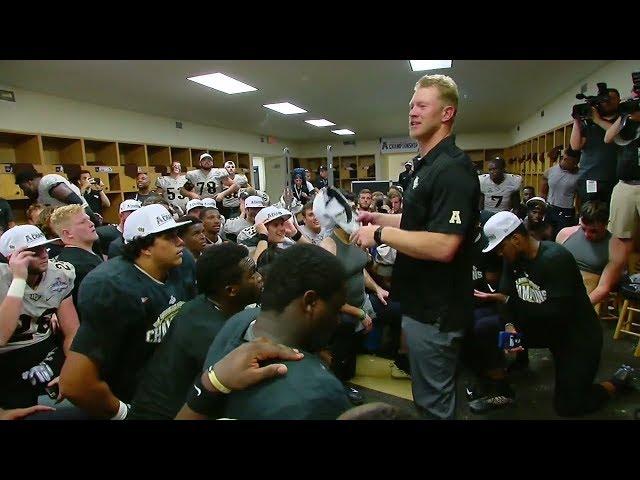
[(234, 226), (39, 304), (206, 184), (232, 200), (497, 198), (313, 237), (171, 190), (47, 182)]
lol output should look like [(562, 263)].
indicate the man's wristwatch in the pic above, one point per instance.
[(377, 236)]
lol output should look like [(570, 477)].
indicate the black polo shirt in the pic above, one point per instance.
[(442, 197)]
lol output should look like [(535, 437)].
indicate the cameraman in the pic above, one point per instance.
[(625, 200), (597, 173)]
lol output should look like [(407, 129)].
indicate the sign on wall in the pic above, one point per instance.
[(398, 145)]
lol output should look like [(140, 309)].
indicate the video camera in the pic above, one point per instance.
[(582, 111), (633, 105)]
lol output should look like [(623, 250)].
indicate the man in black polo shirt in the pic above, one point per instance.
[(6, 216), (597, 172), (126, 305), (433, 236), (228, 282)]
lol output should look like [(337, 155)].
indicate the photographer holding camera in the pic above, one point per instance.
[(625, 200), (597, 173), (92, 190)]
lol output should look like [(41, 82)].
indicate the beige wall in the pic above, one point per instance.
[(274, 172), (39, 113), (466, 141), (616, 74), (394, 164), (390, 166), (319, 149)]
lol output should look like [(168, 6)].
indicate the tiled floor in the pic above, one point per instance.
[(534, 390)]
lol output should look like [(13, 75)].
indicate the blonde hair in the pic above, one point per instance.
[(62, 215), (446, 87)]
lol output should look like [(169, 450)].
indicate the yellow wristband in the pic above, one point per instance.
[(216, 383)]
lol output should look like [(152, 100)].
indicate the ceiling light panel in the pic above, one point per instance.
[(320, 123), (420, 65), (343, 131), (285, 108), (223, 83)]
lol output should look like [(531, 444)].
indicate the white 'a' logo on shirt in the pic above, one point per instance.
[(455, 217), (415, 182)]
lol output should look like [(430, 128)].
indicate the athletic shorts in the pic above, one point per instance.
[(624, 210)]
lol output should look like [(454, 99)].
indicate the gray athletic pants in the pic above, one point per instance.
[(433, 357)]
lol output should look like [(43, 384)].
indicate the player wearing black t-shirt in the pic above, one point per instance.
[(480, 347), (300, 303), (78, 234), (543, 290), (127, 305), (228, 282)]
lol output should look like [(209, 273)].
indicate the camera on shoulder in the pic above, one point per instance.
[(582, 111)]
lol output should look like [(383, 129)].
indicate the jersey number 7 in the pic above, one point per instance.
[(498, 198)]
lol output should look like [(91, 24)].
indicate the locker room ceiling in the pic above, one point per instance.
[(369, 97)]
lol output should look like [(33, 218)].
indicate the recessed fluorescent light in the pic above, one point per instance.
[(285, 108), (343, 131), (418, 65), (220, 81), (320, 123)]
